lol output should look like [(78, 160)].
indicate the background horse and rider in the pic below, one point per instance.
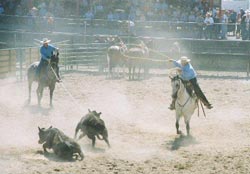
[(134, 56), (47, 77)]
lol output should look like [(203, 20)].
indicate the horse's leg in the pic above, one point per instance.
[(123, 70), (139, 72), (129, 72), (39, 93), (133, 73), (30, 85), (188, 127), (51, 91), (177, 124), (187, 122)]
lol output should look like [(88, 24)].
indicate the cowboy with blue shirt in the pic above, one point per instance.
[(46, 51), (188, 74)]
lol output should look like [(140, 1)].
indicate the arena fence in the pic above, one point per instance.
[(205, 55), (7, 62), (73, 57)]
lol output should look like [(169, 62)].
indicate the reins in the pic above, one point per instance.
[(183, 105)]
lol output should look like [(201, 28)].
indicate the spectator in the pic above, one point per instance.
[(246, 26), (19, 11), (243, 24), (200, 25), (42, 9), (1, 9), (224, 21), (209, 22), (89, 15), (32, 16)]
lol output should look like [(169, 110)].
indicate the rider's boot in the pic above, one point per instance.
[(208, 106), (58, 78), (172, 105)]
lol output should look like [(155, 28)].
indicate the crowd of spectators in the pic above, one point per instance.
[(183, 10), (192, 11)]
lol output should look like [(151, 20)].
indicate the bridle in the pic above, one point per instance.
[(178, 85)]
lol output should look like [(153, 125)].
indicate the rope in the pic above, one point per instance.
[(142, 58), (67, 91)]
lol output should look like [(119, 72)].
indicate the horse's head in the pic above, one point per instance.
[(54, 59), (176, 84), (53, 66)]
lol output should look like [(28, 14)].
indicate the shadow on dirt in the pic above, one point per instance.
[(181, 141), (89, 148), (35, 109), (52, 157)]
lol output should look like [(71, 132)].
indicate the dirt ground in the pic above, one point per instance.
[(141, 128)]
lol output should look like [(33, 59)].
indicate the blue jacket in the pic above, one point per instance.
[(47, 52), (188, 71)]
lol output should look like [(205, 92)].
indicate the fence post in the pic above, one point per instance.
[(9, 67), (21, 64), (248, 65)]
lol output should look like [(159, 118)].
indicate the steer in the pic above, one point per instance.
[(63, 146), (92, 126)]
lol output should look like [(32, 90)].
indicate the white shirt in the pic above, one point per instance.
[(209, 21)]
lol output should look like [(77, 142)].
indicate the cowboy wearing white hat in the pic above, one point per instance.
[(46, 51), (188, 74), (45, 40)]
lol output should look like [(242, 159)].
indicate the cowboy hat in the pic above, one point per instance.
[(185, 59), (45, 40)]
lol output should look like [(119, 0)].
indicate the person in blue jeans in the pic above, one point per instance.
[(188, 74), (46, 52)]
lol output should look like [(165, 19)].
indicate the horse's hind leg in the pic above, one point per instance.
[(187, 122), (51, 94), (188, 128), (39, 93), (30, 85)]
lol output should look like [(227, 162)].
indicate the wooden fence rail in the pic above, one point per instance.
[(7, 63)]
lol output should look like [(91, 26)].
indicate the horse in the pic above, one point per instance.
[(115, 56), (47, 77), (185, 103), (137, 57)]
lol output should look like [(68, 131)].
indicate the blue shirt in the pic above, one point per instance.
[(46, 52), (188, 71)]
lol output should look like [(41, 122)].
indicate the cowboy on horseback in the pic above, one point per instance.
[(46, 51), (188, 74)]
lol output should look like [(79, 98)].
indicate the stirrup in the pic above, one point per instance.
[(171, 107)]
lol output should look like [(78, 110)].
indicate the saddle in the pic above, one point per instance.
[(189, 87)]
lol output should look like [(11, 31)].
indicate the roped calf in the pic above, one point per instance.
[(63, 146)]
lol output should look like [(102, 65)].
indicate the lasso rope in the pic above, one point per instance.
[(142, 58), (67, 91)]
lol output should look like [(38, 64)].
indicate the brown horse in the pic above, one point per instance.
[(115, 56), (48, 78), (138, 58)]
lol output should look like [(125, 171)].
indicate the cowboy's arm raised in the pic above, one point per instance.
[(176, 63)]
